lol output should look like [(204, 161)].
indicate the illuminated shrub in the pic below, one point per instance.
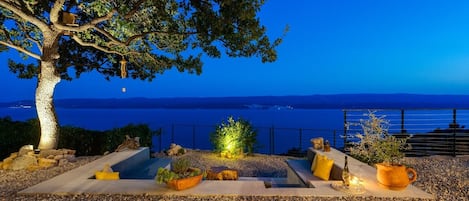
[(233, 138)]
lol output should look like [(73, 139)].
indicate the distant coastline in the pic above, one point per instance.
[(339, 101)]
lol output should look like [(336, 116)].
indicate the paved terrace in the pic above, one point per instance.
[(78, 181)]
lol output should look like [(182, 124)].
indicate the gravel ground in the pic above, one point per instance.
[(446, 178)]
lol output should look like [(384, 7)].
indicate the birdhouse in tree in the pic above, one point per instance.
[(69, 19)]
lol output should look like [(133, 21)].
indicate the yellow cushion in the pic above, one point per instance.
[(323, 168), (315, 161), (106, 175)]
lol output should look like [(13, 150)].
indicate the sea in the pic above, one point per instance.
[(279, 130)]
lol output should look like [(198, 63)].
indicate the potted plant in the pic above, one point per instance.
[(377, 147), (181, 175)]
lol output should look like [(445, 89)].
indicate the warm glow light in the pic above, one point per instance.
[(354, 181)]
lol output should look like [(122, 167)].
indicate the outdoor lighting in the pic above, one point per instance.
[(354, 181), (355, 186), (123, 68)]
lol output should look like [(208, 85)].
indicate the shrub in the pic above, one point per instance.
[(376, 145), (15, 134), (233, 138), (89, 142)]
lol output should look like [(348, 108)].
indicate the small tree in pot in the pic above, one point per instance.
[(378, 147)]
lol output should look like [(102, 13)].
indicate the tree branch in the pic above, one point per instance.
[(55, 10), (90, 25), (93, 45), (134, 9), (21, 49), (40, 24)]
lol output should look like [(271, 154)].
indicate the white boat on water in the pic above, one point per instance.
[(21, 107)]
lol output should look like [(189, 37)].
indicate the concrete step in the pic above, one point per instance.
[(146, 169)]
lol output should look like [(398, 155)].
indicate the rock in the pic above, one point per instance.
[(129, 143), (175, 150), (318, 143), (62, 162), (46, 153), (68, 157), (44, 162), (7, 162), (25, 149), (222, 173), (13, 155), (23, 162), (34, 168)]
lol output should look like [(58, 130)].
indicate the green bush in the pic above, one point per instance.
[(15, 134), (232, 138), (88, 142)]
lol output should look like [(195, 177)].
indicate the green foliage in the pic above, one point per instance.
[(165, 175), (180, 168), (233, 138), (15, 134), (153, 35), (376, 145), (89, 142)]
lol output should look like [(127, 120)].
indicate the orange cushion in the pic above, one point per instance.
[(323, 168), (315, 161)]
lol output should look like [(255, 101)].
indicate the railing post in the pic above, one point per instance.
[(160, 139), (172, 133), (402, 122), (301, 137), (455, 126), (345, 129), (272, 142), (193, 137), (335, 139)]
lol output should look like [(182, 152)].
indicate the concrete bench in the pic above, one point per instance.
[(299, 171)]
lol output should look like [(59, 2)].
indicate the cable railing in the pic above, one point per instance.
[(270, 140), (430, 131)]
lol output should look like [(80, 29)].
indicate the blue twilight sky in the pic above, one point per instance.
[(333, 46)]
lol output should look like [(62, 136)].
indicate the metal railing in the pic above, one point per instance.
[(270, 140), (431, 131)]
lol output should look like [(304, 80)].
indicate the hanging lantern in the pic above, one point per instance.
[(123, 68)]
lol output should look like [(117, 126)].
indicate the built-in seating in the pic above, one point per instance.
[(300, 170)]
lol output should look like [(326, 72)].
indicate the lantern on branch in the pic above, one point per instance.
[(123, 63)]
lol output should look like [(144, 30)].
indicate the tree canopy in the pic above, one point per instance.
[(151, 35)]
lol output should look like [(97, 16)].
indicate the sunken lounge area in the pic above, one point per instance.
[(79, 183)]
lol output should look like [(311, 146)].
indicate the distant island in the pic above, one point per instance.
[(339, 101)]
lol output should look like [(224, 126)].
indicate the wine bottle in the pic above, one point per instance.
[(346, 174)]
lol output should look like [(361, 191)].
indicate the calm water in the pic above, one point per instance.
[(191, 127), (278, 130)]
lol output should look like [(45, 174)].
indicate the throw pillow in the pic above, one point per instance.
[(323, 168), (315, 161)]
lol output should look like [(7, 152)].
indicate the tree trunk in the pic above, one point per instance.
[(47, 80)]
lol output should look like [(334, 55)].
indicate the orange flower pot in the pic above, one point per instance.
[(394, 177), (185, 183)]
